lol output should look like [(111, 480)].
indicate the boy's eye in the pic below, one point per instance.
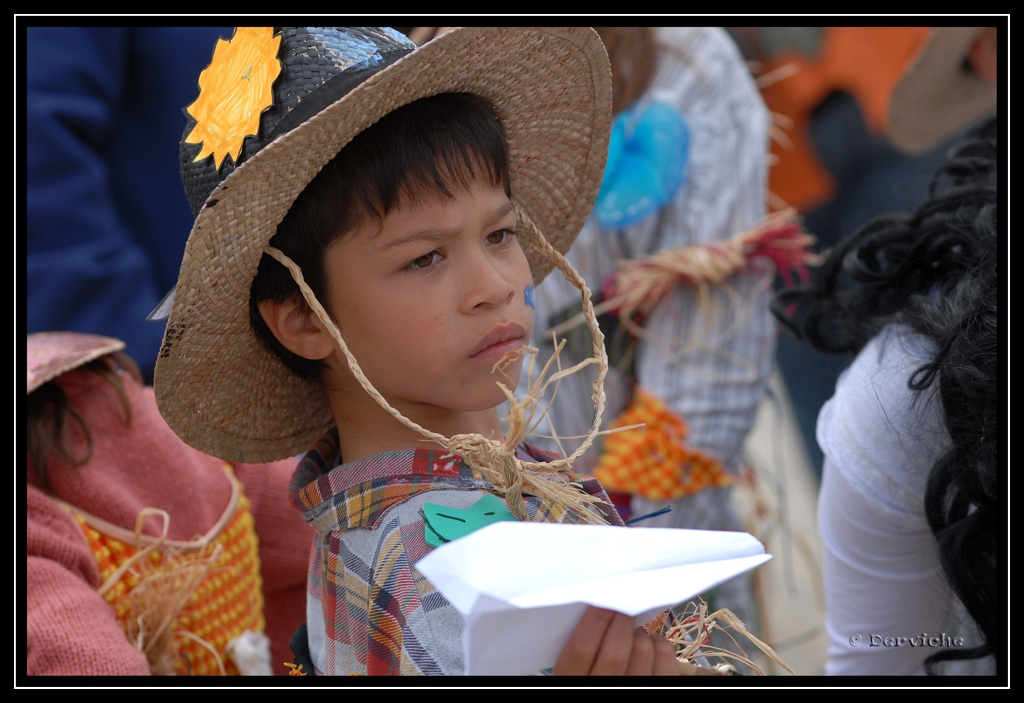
[(500, 236), (425, 261)]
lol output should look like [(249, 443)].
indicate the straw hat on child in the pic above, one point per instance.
[(53, 354), (273, 109)]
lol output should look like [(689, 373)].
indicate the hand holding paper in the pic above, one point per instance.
[(523, 587), (606, 643)]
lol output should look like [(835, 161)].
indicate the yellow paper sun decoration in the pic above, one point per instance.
[(233, 91)]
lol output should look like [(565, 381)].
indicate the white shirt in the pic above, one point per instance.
[(882, 573)]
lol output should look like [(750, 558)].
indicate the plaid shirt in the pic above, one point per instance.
[(368, 610)]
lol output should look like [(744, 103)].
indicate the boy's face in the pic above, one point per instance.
[(434, 299)]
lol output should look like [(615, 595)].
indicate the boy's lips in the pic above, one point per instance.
[(499, 341)]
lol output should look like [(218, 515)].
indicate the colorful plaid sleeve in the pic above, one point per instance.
[(369, 611)]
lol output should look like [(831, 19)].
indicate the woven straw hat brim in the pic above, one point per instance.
[(53, 354), (935, 97), (224, 393)]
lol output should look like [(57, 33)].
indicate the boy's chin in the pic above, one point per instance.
[(483, 400), (509, 378), (487, 401)]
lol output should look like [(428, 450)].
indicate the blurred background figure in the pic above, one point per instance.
[(107, 218), (913, 489), (687, 168), (146, 556), (839, 158), (912, 498)]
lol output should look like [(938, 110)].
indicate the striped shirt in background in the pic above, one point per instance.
[(715, 374)]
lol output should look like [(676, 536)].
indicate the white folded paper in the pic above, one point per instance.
[(522, 587)]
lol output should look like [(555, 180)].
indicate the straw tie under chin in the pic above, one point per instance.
[(496, 461)]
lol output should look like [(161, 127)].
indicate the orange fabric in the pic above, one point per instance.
[(867, 63), (227, 602), (653, 461)]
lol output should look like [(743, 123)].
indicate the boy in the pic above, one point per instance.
[(396, 186)]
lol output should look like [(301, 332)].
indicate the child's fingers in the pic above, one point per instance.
[(579, 653), (652, 655), (665, 663), (614, 655), (641, 660), (606, 643)]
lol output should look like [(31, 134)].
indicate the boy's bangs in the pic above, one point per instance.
[(433, 147), (447, 173)]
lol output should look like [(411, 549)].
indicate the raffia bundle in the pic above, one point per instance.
[(691, 633), (162, 593), (640, 284), (157, 602)]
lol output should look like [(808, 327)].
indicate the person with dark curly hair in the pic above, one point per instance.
[(911, 498)]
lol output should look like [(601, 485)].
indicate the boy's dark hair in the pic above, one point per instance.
[(432, 146)]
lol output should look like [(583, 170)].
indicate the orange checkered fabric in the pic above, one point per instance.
[(654, 461), (227, 602)]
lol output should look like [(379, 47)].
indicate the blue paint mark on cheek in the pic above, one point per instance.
[(528, 296)]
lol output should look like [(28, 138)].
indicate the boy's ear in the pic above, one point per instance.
[(297, 329)]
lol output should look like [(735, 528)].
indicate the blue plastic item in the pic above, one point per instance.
[(647, 159)]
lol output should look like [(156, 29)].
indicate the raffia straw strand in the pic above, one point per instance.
[(709, 623), (531, 412), (778, 74), (705, 623), (497, 459), (203, 643), (642, 283), (602, 433), (538, 389), (782, 120), (184, 592), (597, 336), (733, 621), (776, 201), (140, 554), (162, 595)]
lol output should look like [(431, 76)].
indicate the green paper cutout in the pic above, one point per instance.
[(443, 524)]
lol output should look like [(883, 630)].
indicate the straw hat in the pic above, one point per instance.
[(52, 354), (937, 95), (216, 386)]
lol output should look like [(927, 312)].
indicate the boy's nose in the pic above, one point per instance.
[(488, 285)]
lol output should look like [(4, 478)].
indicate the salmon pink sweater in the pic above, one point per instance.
[(71, 628)]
